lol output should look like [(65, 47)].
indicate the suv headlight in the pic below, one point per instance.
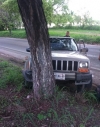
[(83, 64), (83, 67)]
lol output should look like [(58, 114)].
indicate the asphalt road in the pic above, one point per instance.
[(17, 48), (14, 47), (93, 54)]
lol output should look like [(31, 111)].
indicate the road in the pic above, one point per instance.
[(14, 47), (93, 54), (17, 48)]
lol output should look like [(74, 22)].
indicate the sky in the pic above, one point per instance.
[(81, 6)]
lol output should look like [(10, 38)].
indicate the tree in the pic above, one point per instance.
[(38, 38), (10, 17), (1, 1), (51, 7), (78, 19), (61, 13), (48, 10)]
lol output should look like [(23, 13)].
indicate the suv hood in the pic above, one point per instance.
[(69, 54)]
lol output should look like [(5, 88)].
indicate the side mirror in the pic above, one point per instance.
[(82, 48), (28, 49), (81, 43)]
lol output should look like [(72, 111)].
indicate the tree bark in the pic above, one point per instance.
[(38, 38)]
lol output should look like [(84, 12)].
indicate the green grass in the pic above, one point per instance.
[(15, 34), (10, 75), (89, 36), (19, 34)]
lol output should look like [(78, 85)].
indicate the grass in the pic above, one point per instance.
[(10, 74), (15, 34), (90, 96), (89, 36), (62, 110)]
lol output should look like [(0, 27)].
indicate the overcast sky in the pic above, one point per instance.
[(81, 6)]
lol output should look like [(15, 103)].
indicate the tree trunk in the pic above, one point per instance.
[(10, 33), (38, 38)]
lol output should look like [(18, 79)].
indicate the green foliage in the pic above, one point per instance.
[(48, 10), (15, 34), (58, 96), (90, 95), (3, 102), (9, 15), (41, 116), (1, 1), (58, 2), (4, 34), (89, 115), (19, 34), (62, 18), (10, 75), (12, 9)]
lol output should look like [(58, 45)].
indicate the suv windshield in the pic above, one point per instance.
[(67, 44)]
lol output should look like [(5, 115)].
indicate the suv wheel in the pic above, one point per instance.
[(28, 85)]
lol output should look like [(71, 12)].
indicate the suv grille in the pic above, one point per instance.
[(63, 65)]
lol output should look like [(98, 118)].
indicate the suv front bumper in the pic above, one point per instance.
[(83, 78), (80, 78)]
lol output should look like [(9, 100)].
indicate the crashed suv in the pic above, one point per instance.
[(69, 62)]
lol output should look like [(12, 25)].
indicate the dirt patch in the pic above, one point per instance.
[(19, 109), (12, 59)]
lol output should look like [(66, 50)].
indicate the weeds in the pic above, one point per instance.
[(3, 102), (90, 95), (89, 116), (10, 74), (58, 96)]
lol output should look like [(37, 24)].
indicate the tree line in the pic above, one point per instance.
[(56, 12)]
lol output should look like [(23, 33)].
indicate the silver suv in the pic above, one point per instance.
[(69, 62)]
